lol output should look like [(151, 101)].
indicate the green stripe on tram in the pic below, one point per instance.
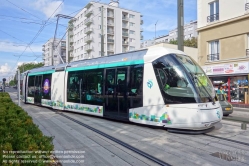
[(107, 65), (40, 73)]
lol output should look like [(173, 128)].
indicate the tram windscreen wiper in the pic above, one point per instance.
[(209, 96)]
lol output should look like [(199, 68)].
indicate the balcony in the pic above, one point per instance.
[(88, 21), (141, 22), (125, 50), (125, 34), (88, 5), (43, 49), (88, 13), (141, 29), (88, 39), (63, 47), (110, 15), (247, 6), (88, 30), (125, 27), (110, 24), (110, 41), (88, 48), (141, 37), (71, 48), (70, 28), (110, 49), (247, 52), (213, 57), (125, 18), (212, 18), (125, 42), (110, 32)]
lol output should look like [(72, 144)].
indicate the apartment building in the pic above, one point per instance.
[(223, 45), (190, 30), (59, 50), (121, 30)]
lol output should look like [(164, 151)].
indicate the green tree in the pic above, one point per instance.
[(27, 66), (12, 83), (188, 43)]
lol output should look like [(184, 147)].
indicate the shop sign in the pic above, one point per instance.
[(232, 68)]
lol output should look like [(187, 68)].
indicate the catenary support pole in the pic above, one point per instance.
[(180, 18), (18, 86)]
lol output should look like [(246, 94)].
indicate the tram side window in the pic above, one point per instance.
[(92, 92), (31, 86), (136, 86), (73, 93), (46, 86)]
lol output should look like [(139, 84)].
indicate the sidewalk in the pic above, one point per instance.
[(241, 105)]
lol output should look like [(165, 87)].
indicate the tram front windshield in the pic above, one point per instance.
[(180, 80), (202, 82)]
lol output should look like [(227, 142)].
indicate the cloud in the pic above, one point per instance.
[(5, 71), (19, 48), (48, 7)]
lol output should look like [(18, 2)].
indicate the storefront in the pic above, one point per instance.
[(233, 78)]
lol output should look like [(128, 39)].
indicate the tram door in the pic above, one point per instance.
[(116, 93), (38, 89)]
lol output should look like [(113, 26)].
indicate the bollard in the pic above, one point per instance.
[(243, 126)]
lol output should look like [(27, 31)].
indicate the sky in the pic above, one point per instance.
[(25, 25)]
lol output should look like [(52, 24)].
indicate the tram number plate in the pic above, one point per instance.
[(227, 109)]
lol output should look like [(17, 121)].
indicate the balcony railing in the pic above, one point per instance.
[(213, 57), (247, 6), (110, 32), (247, 52), (141, 22), (125, 26), (213, 17), (110, 41), (88, 39), (110, 15), (125, 18), (88, 21), (125, 34), (125, 42), (88, 30), (110, 24), (88, 48), (88, 13)]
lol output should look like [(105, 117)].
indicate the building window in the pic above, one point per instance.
[(132, 40), (214, 11), (132, 16), (214, 51), (132, 24), (99, 26), (132, 48), (99, 8), (132, 32)]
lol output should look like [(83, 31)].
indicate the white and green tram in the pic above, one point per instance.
[(155, 86)]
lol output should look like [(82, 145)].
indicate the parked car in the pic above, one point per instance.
[(1, 89), (227, 108)]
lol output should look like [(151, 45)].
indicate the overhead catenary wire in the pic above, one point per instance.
[(39, 31), (22, 9)]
